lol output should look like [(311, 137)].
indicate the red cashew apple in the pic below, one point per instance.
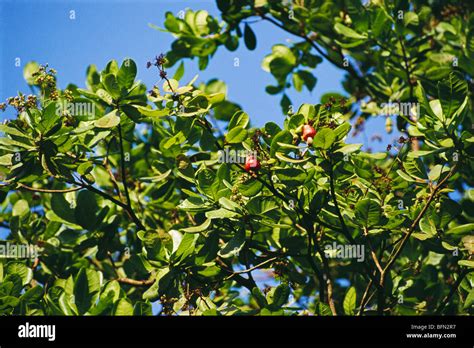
[(251, 163), (308, 133)]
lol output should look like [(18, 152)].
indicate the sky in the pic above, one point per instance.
[(70, 35)]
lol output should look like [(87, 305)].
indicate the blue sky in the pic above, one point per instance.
[(103, 30)]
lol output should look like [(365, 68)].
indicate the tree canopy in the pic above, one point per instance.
[(170, 195)]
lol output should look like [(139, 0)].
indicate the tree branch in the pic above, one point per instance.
[(416, 221), (135, 282)]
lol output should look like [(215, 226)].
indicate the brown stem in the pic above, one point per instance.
[(411, 229), (416, 221), (33, 189), (248, 270), (135, 282)]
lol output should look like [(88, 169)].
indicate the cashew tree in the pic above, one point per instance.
[(169, 200)]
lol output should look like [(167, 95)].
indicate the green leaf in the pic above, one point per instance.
[(280, 68), (308, 79), (297, 82), (124, 307), (110, 120), (427, 226), (223, 5), (348, 32), (436, 172), (162, 282), (33, 295), (236, 135), (21, 208), (462, 229), (452, 92), (249, 37), (206, 178), (233, 246), (261, 300), (280, 297), (6, 160), (228, 204), (49, 118), (368, 212), (199, 228), (288, 58), (405, 176), (82, 297), (179, 72), (12, 131), (421, 153), (11, 142), (105, 96), (415, 168), (349, 148), (375, 156), (112, 67), (185, 248), (146, 111), (324, 138), (21, 270), (281, 137), (308, 111), (284, 158), (221, 214), (111, 85), (240, 119), (86, 209), (62, 208), (350, 301), (170, 85), (260, 205), (250, 187), (410, 18), (467, 263), (142, 309), (28, 71), (127, 73), (200, 22), (469, 299), (291, 176)]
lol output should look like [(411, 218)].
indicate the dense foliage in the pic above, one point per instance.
[(136, 197)]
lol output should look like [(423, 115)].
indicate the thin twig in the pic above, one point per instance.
[(34, 189), (248, 270), (135, 282)]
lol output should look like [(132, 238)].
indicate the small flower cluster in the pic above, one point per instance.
[(167, 303), (68, 95), (20, 103), (401, 140), (159, 62), (45, 77), (333, 101)]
